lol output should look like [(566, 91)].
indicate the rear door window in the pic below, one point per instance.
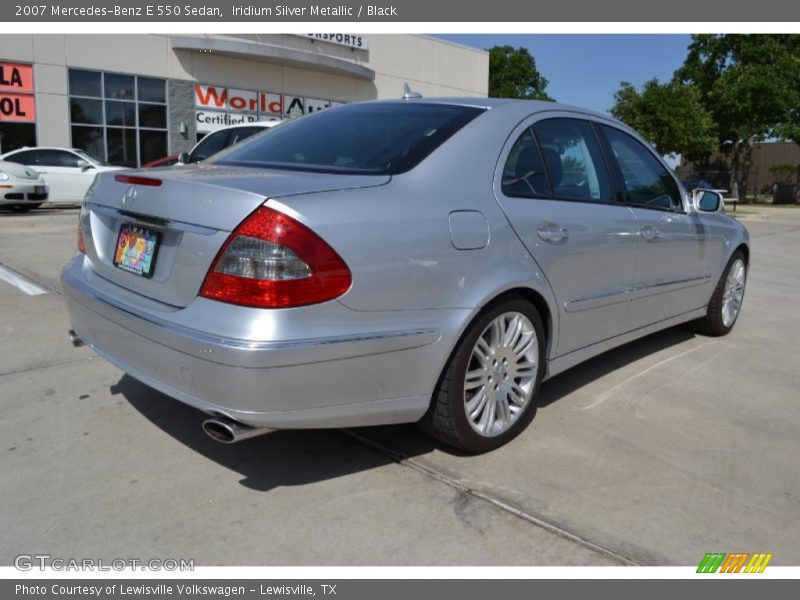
[(26, 157), (574, 160)]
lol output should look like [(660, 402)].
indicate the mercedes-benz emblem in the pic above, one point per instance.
[(130, 195)]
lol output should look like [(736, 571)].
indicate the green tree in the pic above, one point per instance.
[(751, 86), (670, 115), (513, 74)]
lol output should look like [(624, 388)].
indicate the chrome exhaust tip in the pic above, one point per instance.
[(76, 341), (228, 431)]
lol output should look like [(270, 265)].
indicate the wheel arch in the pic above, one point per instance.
[(535, 297), (745, 249), (539, 303)]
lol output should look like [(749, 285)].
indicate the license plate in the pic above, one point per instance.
[(40, 189), (136, 250)]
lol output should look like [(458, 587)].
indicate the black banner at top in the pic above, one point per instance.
[(259, 11)]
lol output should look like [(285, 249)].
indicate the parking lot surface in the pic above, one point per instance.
[(654, 453)]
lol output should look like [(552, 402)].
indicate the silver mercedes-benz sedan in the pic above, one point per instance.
[(397, 261)]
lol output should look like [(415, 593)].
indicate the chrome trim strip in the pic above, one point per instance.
[(669, 286), (596, 301), (642, 291), (431, 335), (155, 221)]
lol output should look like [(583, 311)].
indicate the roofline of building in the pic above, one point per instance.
[(263, 52)]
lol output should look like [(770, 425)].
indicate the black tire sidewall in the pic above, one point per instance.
[(717, 325), (472, 440)]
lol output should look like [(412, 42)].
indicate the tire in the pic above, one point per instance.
[(718, 321), (21, 208), (519, 377)]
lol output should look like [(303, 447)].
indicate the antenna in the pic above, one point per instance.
[(409, 93)]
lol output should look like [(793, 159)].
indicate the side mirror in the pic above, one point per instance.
[(84, 165), (708, 200), (184, 158)]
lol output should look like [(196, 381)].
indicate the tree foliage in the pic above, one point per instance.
[(750, 83), (513, 74), (751, 86), (670, 115)]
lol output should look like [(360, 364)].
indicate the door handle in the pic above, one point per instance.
[(650, 233), (553, 233)]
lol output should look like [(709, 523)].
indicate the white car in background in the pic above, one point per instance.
[(222, 138), (21, 188), (68, 171)]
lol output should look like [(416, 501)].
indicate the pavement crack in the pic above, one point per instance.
[(467, 491), (47, 366)]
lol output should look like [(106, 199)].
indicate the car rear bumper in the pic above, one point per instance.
[(350, 379)]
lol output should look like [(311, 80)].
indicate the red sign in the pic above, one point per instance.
[(16, 78), (19, 108), (221, 98), (16, 93)]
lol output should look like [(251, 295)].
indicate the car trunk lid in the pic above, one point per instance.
[(192, 211)]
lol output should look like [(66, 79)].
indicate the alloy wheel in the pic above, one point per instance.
[(501, 374)]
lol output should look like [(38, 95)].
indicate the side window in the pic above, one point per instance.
[(57, 158), (241, 133), (574, 160), (211, 144), (26, 157), (523, 174), (647, 182)]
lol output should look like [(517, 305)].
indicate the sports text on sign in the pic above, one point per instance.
[(357, 42)]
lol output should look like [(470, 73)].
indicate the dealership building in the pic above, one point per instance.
[(130, 99)]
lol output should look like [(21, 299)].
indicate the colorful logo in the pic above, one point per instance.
[(737, 562)]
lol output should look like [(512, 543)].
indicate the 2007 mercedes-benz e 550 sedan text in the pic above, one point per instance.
[(397, 261)]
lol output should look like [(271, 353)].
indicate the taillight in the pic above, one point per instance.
[(81, 216), (272, 261)]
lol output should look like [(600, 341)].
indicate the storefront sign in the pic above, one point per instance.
[(357, 42), (16, 93), (211, 120), (217, 106)]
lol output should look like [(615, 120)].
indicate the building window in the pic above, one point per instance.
[(119, 118)]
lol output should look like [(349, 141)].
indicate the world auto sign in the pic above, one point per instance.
[(217, 107), (16, 93)]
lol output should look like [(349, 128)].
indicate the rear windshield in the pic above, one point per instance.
[(383, 138)]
